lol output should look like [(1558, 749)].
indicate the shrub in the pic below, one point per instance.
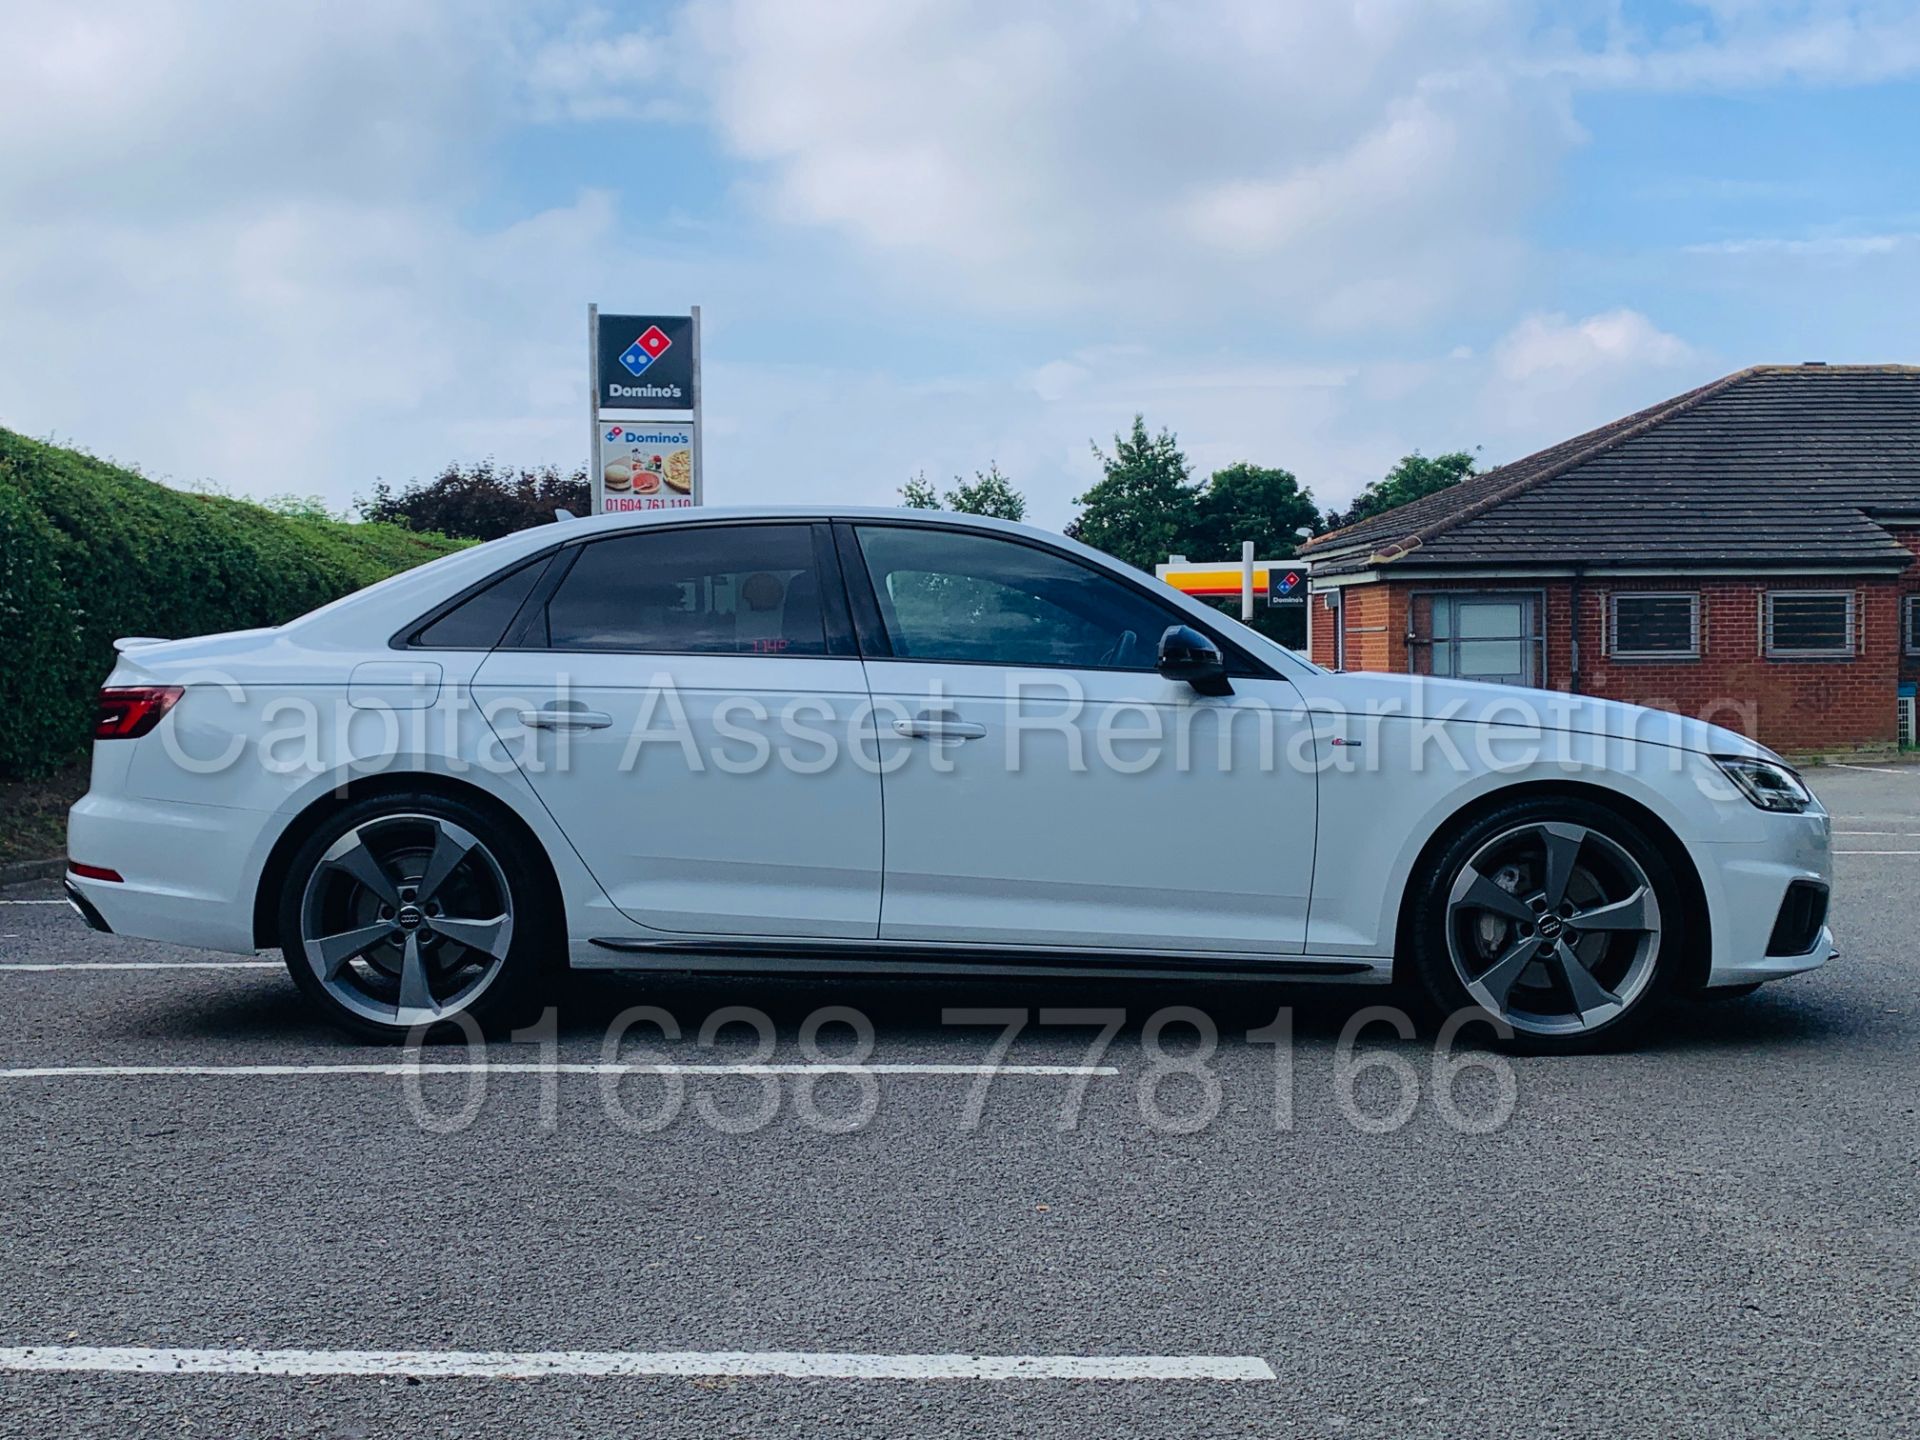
[(93, 552)]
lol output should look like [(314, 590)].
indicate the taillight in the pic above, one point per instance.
[(129, 711)]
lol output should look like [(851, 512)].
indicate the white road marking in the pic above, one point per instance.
[(1871, 769), (32, 902), (531, 1067), (1877, 852), (142, 965), (532, 1364)]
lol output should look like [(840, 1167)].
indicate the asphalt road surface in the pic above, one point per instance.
[(1717, 1234)]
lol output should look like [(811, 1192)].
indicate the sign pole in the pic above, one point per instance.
[(596, 476), (699, 470), (1246, 579)]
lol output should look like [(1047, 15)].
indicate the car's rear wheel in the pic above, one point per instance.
[(405, 911), (1558, 917)]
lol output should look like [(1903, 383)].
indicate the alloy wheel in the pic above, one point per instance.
[(1554, 927), (406, 920)]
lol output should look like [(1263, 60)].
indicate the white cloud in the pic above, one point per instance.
[(302, 228), (1747, 44), (1551, 377), (1344, 163), (122, 109), (1840, 248), (594, 71), (1543, 346)]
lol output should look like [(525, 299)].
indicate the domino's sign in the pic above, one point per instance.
[(646, 362)]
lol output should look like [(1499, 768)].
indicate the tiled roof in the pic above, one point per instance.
[(1772, 466)]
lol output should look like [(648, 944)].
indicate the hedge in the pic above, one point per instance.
[(90, 552)]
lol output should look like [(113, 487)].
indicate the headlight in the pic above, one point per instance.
[(1766, 784)]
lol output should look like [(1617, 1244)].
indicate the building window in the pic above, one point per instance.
[(1913, 624), (1656, 627), (1809, 623)]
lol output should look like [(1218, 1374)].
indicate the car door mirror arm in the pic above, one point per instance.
[(1186, 654)]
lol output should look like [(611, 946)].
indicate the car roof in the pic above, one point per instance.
[(399, 598), (691, 513)]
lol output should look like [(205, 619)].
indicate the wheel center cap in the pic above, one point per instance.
[(410, 917), (1551, 926)]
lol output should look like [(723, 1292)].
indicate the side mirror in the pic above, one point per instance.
[(1186, 654)]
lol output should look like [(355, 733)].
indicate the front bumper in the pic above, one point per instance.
[(1747, 883)]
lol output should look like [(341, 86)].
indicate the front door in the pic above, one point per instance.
[(1044, 785), (682, 705)]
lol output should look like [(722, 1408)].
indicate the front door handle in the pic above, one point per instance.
[(558, 717), (938, 726)]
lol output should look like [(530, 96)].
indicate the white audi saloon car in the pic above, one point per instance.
[(847, 741)]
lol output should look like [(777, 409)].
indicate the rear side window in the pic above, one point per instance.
[(478, 622), (953, 596), (718, 590)]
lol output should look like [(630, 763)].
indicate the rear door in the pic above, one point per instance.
[(684, 702)]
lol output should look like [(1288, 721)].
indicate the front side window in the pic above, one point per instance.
[(1809, 623), (1662, 627), (1913, 624), (682, 590), (947, 595)]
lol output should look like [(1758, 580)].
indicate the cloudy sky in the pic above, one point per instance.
[(297, 248)]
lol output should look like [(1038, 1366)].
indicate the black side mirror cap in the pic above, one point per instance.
[(1186, 654)]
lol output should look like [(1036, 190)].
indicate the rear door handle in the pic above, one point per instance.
[(557, 718), (938, 727)]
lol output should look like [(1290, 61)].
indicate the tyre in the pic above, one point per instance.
[(1558, 917), (403, 911)]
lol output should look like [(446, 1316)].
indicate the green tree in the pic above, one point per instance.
[(1415, 476), (988, 493), (919, 494), (1250, 502), (1145, 504)]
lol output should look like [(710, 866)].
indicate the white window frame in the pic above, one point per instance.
[(1911, 618), (1692, 652), (1774, 652)]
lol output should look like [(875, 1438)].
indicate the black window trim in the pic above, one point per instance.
[(836, 625), (407, 637), (875, 644), (850, 613), (1694, 648), (1910, 618)]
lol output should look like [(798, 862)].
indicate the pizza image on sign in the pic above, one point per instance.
[(646, 467)]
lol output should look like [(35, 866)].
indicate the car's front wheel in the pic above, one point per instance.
[(405, 911), (1558, 917)]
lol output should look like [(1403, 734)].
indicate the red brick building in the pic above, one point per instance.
[(1748, 552)]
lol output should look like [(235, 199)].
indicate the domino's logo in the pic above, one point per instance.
[(640, 355), (614, 434)]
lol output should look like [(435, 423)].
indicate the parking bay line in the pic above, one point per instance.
[(532, 1067), (533, 1364), (46, 965)]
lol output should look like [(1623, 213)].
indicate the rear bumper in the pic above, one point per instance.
[(188, 870), (84, 908)]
